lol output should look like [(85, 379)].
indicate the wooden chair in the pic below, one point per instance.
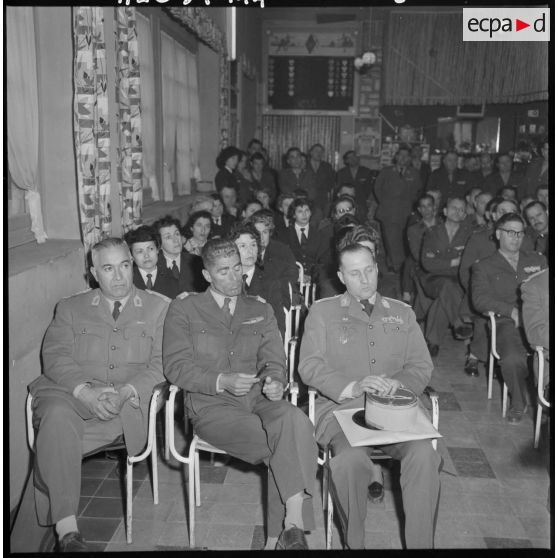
[(541, 400), (156, 404), (495, 356)]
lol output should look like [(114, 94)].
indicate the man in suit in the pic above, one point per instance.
[(101, 359), (451, 181), (149, 273), (495, 287), (222, 220), (276, 258), (361, 342), (184, 267), (294, 177), (505, 176), (442, 247), (324, 176), (224, 349), (360, 177), (310, 247), (280, 218), (396, 189)]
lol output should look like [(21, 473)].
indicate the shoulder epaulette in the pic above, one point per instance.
[(183, 295), (536, 274), (258, 298), (327, 298), (397, 300), (161, 295), (78, 293)]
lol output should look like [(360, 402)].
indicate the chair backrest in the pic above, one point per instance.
[(29, 422)]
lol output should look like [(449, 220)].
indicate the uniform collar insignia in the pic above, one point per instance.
[(138, 301), (385, 303), (96, 300), (532, 268), (345, 300)]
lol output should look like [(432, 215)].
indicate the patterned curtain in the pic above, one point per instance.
[(129, 162), (427, 62), (91, 125), (282, 132)]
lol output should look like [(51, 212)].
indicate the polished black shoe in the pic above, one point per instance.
[(462, 332), (292, 539), (73, 542), (433, 349), (515, 416), (472, 366), (376, 492)]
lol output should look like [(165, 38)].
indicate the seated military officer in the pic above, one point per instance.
[(149, 272), (102, 358), (536, 215), (495, 287), (225, 350), (361, 342)]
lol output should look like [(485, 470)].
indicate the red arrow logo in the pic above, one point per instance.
[(519, 25)]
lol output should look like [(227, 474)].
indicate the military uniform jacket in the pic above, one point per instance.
[(536, 307), (494, 182), (495, 284), (437, 250), (396, 194), (199, 344), (289, 182), (342, 344), (458, 187), (415, 234), (83, 344)]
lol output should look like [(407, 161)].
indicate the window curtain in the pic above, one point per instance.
[(427, 62), (129, 118), (91, 125), (147, 102), (282, 132), (23, 111), (181, 125)]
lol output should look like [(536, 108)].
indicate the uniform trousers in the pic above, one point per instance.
[(62, 438), (479, 341), (352, 471), (513, 360), (444, 311), (255, 429), (393, 234)]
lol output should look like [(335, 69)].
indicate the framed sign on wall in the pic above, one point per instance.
[(309, 70), (368, 137)]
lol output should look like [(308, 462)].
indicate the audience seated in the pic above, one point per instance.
[(536, 215), (256, 280), (245, 181), (235, 378), (196, 231), (202, 203), (360, 177), (294, 177), (222, 221), (264, 196), (451, 181), (226, 162), (505, 176), (281, 218), (262, 177), (396, 189), (149, 272), (250, 208), (495, 287), (537, 171), (420, 165), (230, 200), (185, 267), (90, 396), (442, 248), (541, 194)]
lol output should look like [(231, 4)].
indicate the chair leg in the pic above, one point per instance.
[(129, 486), (191, 502), (538, 425), (504, 400), (197, 476), (168, 424), (329, 526), (490, 375), (155, 469)]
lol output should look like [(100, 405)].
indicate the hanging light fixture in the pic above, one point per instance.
[(366, 60)]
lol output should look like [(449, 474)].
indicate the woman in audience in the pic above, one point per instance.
[(197, 230), (250, 208), (264, 197), (227, 161)]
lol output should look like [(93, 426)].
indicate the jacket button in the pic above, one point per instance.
[(231, 353), (115, 329), (143, 333), (370, 326), (113, 347), (372, 343), (111, 366), (397, 328), (83, 331), (373, 361)]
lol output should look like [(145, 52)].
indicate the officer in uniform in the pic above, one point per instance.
[(361, 342), (225, 350), (495, 287), (451, 181), (101, 358), (536, 215), (441, 254), (396, 190)]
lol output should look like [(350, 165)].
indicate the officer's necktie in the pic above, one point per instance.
[(367, 306), (244, 283), (227, 309), (175, 270), (116, 309), (149, 282), (303, 237)]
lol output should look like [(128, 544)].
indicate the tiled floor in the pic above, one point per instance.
[(494, 487)]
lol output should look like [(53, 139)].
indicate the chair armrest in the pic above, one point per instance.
[(312, 404), (293, 392), (540, 375), (493, 351), (432, 394)]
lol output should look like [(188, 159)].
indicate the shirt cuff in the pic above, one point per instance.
[(219, 390), (79, 387), (347, 393)]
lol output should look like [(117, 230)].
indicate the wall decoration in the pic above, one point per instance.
[(368, 136)]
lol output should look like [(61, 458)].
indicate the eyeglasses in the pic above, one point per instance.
[(513, 234)]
